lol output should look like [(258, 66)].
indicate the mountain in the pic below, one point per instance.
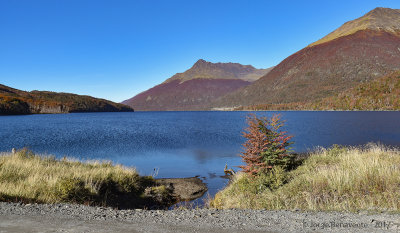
[(14, 101), (379, 19), (195, 88), (379, 94), (208, 70), (359, 51)]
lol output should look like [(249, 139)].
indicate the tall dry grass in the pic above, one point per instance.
[(27, 177), (341, 179)]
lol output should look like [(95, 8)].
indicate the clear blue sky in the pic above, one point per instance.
[(116, 49)]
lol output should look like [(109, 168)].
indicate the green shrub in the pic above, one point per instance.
[(73, 189), (272, 180), (267, 145)]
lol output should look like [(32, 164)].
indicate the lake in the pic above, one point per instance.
[(184, 144)]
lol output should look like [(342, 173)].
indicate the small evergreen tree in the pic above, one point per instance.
[(266, 146)]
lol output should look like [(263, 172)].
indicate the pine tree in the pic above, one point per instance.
[(266, 145)]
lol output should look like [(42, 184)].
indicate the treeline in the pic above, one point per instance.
[(379, 94), (13, 101)]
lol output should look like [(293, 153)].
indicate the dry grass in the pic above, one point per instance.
[(27, 177), (341, 179)]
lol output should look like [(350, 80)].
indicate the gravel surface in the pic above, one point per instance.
[(16, 217)]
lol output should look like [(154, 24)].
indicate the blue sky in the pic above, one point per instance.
[(115, 49)]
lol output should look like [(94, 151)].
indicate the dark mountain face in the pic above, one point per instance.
[(329, 66), (197, 87), (13, 101)]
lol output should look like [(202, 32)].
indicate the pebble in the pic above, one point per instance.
[(249, 220)]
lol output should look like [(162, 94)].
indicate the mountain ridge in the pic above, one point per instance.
[(196, 88), (380, 18), (219, 70)]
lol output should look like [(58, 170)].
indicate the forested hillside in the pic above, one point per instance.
[(13, 101)]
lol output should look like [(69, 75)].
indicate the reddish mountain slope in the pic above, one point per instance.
[(330, 66), (195, 94), (196, 88)]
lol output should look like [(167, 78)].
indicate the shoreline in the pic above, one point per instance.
[(138, 111)]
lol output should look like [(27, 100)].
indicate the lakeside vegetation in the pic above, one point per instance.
[(335, 179), (31, 178)]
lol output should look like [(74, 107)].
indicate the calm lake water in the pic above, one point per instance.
[(184, 144)]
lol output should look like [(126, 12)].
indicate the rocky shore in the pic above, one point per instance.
[(184, 189), (17, 217)]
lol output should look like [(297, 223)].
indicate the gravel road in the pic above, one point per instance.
[(15, 217)]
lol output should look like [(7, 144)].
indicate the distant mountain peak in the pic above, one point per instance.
[(201, 62), (382, 11), (203, 69), (379, 19), (197, 87)]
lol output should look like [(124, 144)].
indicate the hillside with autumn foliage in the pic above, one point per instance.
[(14, 101), (379, 94), (360, 51)]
